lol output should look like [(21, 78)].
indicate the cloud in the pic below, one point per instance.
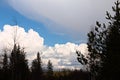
[(61, 55), (64, 16), (25, 39)]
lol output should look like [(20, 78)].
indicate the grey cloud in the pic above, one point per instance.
[(72, 17)]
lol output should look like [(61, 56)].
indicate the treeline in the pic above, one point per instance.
[(15, 67)]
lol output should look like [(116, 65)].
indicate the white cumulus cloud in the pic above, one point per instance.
[(31, 40), (61, 55)]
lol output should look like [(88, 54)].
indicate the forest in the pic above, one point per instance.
[(102, 61), (15, 67)]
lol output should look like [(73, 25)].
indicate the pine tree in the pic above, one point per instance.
[(103, 59), (18, 64), (50, 70), (37, 68), (5, 67), (96, 47), (5, 61), (111, 65)]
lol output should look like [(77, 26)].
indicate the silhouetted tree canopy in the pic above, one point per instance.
[(18, 64), (111, 62), (50, 70), (37, 68), (103, 59), (5, 68)]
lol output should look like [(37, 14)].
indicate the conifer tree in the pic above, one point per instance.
[(1, 71), (18, 64), (5, 67), (111, 63), (37, 68), (50, 70), (96, 46), (5, 61), (103, 59)]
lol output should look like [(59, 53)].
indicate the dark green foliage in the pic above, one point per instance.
[(103, 59), (36, 68), (111, 65), (96, 48), (18, 64), (50, 70), (5, 62), (5, 68), (66, 74), (81, 58)]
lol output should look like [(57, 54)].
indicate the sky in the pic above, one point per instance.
[(56, 28)]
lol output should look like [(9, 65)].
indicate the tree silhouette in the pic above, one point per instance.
[(37, 68), (50, 70), (5, 67), (103, 46), (111, 65), (92, 61), (18, 64)]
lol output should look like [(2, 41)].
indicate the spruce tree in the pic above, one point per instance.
[(5, 67), (103, 59), (50, 70), (111, 63), (37, 68), (18, 64), (96, 47)]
